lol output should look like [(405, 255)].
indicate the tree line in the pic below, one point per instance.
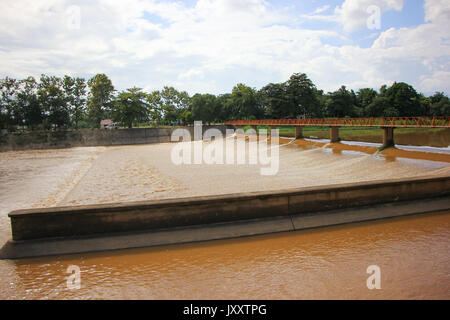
[(72, 102)]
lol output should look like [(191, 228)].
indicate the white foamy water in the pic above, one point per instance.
[(143, 172)]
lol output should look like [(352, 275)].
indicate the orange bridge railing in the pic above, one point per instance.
[(401, 122)]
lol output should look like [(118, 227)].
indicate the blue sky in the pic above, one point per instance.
[(211, 45)]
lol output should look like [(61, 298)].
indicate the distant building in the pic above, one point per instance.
[(107, 124)]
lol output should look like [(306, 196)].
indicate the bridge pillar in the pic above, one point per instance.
[(272, 128), (388, 137), (236, 128), (334, 134), (298, 132)]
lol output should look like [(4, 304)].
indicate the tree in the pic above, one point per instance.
[(224, 103), (130, 106), (321, 98), (377, 107), (383, 90), (28, 101), (301, 96), (75, 91), (155, 110), (245, 103), (341, 103), (187, 116), (168, 105), (296, 97), (173, 104), (8, 104), (204, 107), (440, 104), (365, 97), (53, 101), (100, 97), (275, 100), (405, 99)]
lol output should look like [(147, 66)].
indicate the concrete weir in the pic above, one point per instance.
[(67, 230)]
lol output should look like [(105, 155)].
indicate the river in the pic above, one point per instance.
[(325, 263)]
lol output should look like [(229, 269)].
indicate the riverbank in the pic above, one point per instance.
[(39, 140)]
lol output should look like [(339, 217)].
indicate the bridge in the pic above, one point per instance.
[(388, 125)]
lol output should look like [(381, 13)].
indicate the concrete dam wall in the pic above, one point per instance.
[(63, 230), (91, 137)]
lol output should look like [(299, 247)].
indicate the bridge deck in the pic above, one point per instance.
[(400, 122)]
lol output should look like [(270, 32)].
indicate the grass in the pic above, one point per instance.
[(348, 133)]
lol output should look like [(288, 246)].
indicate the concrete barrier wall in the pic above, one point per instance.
[(90, 138), (174, 213)]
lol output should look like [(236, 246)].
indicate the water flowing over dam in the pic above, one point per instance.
[(322, 263)]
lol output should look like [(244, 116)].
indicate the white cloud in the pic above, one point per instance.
[(438, 82), (437, 10), (217, 43), (321, 9), (353, 14)]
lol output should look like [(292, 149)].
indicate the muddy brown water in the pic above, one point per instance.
[(325, 263), (439, 138)]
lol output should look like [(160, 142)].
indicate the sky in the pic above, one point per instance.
[(209, 46)]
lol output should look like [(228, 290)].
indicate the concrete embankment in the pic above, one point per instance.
[(91, 137), (54, 231)]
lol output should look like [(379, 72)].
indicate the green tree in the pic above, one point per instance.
[(155, 109), (245, 103), (378, 106), (130, 107), (440, 104), (100, 98), (9, 114), (341, 103), (383, 90), (301, 96), (187, 116), (28, 102), (204, 107), (75, 91), (320, 98), (275, 100), (365, 97), (224, 104), (405, 99), (53, 101), (173, 103), (297, 97)]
